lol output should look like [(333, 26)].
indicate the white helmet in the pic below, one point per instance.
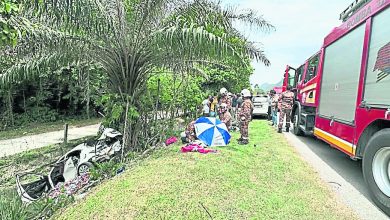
[(223, 105), (223, 91), (246, 93)]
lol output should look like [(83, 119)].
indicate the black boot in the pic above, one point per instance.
[(287, 129), (244, 142), (279, 130)]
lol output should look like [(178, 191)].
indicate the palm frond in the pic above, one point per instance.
[(183, 40), (256, 53), (248, 17), (75, 16), (30, 67)]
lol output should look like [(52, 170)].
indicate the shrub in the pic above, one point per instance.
[(11, 207), (105, 170)]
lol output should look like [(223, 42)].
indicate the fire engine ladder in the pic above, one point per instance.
[(352, 8)]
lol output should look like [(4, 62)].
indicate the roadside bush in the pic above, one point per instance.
[(37, 114), (46, 207), (4, 162), (105, 170), (11, 207), (131, 155)]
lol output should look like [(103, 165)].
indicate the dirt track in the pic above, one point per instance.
[(17, 145)]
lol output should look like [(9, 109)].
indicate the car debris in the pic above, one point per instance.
[(75, 163)]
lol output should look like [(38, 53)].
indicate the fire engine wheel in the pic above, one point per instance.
[(296, 129), (376, 169), (84, 168)]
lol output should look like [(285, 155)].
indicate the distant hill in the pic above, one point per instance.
[(268, 86)]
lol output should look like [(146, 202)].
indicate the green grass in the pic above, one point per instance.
[(269, 181), (39, 128)]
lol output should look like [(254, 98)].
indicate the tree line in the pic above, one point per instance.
[(129, 59)]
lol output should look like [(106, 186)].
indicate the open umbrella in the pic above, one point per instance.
[(212, 132)]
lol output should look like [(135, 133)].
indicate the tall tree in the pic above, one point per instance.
[(129, 40), (8, 34)]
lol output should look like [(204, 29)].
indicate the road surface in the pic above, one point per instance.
[(341, 173), (349, 169), (18, 145)]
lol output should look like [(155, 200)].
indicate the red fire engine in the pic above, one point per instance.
[(343, 92)]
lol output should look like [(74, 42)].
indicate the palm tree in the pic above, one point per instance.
[(129, 40)]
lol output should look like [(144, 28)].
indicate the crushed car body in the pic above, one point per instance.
[(74, 163)]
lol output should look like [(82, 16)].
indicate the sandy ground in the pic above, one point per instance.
[(17, 145)]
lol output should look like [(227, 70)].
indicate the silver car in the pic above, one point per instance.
[(260, 104)]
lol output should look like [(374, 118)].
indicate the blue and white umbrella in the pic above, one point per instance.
[(212, 132)]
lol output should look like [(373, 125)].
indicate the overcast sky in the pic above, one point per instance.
[(301, 26)]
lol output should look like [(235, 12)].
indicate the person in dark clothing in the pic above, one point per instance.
[(239, 101), (234, 106)]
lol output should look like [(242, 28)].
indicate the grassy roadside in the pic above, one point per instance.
[(40, 128), (268, 181)]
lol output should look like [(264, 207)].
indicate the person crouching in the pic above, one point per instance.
[(225, 116), (189, 134)]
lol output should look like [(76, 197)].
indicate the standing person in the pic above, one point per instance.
[(239, 101), (234, 106), (213, 106), (224, 99), (245, 116), (287, 102), (206, 107), (225, 116), (269, 100), (274, 107), (239, 104)]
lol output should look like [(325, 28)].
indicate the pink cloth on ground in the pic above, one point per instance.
[(196, 148), (170, 141)]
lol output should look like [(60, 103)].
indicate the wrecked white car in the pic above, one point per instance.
[(75, 162)]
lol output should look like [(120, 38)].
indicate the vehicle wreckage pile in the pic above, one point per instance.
[(70, 173), (49, 187), (71, 187)]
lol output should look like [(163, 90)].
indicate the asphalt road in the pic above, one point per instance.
[(343, 175), (349, 169)]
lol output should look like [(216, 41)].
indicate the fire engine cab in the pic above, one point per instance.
[(343, 92)]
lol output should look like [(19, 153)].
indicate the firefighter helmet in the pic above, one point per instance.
[(223, 91), (246, 93)]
